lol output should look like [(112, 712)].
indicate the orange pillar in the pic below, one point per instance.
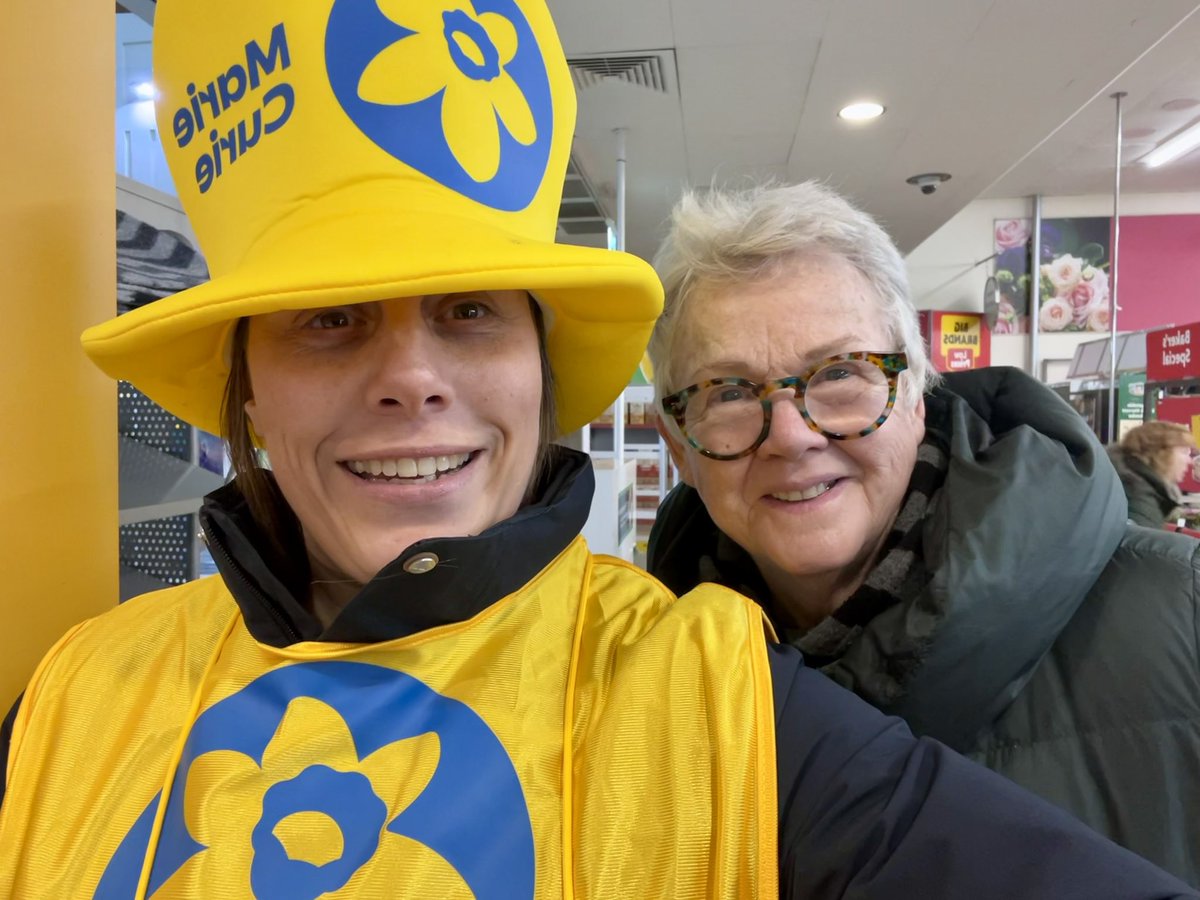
[(58, 452)]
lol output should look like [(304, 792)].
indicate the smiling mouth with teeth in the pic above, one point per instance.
[(407, 469), (808, 494)]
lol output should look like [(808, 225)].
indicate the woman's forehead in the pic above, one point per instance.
[(777, 324)]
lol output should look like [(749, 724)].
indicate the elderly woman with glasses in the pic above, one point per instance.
[(955, 551)]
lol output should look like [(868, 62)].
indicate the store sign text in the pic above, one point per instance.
[(1171, 353), (961, 341)]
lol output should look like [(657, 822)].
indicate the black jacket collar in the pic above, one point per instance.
[(474, 572)]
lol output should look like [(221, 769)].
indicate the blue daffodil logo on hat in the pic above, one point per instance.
[(458, 90), (463, 54), (335, 779)]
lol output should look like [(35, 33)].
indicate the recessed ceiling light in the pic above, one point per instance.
[(859, 112), (144, 90), (1181, 103), (1174, 147)]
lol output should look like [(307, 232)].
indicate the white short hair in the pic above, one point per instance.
[(725, 236)]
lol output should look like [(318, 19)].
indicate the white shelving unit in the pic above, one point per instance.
[(652, 471), (610, 527)]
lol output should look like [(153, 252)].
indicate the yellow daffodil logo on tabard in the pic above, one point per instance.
[(309, 828), (333, 780), (464, 53)]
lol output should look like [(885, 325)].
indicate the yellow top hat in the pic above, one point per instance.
[(341, 151)]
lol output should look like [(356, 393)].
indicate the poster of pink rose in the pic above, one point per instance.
[(1072, 272)]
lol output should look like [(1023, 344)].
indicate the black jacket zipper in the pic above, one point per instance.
[(231, 568)]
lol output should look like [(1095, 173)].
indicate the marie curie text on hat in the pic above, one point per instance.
[(211, 102)]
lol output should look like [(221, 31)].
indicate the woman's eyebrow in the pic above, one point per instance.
[(724, 366), (847, 343), (721, 367)]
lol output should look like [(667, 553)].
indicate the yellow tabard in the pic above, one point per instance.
[(588, 736)]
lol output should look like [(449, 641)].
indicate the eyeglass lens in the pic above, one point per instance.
[(843, 397)]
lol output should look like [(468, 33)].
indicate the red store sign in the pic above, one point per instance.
[(956, 341), (1173, 353)]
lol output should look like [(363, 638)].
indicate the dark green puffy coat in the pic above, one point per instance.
[(1057, 644)]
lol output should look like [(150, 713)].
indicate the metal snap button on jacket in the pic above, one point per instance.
[(421, 563)]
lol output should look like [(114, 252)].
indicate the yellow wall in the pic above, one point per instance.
[(58, 450)]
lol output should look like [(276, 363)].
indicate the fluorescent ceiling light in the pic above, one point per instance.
[(1173, 148), (858, 112)]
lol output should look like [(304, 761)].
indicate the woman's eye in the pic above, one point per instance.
[(833, 373), (728, 393), (468, 310), (330, 318)]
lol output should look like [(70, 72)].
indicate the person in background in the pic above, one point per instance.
[(954, 551), (1152, 459)]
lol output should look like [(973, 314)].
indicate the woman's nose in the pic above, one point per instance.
[(408, 369), (789, 433)]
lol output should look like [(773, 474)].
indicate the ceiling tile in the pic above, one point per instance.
[(744, 90), (724, 158), (614, 26), (708, 23)]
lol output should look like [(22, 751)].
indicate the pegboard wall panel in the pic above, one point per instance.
[(142, 419), (160, 548)]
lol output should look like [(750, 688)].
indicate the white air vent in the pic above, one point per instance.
[(648, 70)]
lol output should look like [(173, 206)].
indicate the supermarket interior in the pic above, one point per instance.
[(1015, 140), (1036, 166)]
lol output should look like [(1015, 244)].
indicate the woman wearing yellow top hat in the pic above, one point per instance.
[(411, 678)]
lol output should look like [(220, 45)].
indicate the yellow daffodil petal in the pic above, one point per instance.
[(310, 836), (395, 862), (513, 109), (422, 17), (310, 730), (410, 70), (503, 35), (400, 772), (216, 782), (469, 121)]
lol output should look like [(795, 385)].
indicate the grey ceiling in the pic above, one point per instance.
[(1009, 96)]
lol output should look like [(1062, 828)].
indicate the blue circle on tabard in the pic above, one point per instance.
[(412, 133), (472, 813)]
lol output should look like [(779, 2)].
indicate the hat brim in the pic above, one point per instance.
[(602, 304)]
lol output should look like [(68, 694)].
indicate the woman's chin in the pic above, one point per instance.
[(821, 566), (354, 568)]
